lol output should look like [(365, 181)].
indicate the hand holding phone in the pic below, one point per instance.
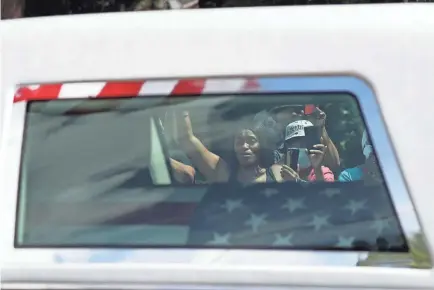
[(291, 158), (289, 171), (316, 155), (315, 115)]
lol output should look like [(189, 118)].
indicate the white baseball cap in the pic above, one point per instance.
[(296, 129)]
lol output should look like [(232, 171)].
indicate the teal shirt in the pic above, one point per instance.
[(351, 174)]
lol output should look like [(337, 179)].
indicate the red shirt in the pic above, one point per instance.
[(326, 172)]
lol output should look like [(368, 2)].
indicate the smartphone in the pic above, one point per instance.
[(309, 109), (312, 137), (291, 157)]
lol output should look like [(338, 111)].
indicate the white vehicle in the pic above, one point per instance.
[(90, 144)]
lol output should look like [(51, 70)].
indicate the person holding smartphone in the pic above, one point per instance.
[(303, 141), (279, 117), (318, 118)]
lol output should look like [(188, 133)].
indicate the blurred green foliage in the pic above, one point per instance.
[(418, 257)]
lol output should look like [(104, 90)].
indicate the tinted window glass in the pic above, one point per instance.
[(241, 171)]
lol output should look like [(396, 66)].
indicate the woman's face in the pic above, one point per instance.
[(246, 146)]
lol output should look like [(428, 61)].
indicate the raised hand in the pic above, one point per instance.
[(318, 117), (183, 125)]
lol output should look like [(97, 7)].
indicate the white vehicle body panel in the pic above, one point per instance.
[(389, 46)]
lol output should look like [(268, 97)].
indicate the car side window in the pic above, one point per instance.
[(250, 170)]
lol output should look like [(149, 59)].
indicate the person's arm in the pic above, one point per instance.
[(331, 157), (209, 164), (317, 156), (182, 173), (318, 174)]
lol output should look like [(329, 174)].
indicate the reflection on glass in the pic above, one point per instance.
[(283, 171)]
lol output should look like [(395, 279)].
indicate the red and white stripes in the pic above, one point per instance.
[(117, 89)]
